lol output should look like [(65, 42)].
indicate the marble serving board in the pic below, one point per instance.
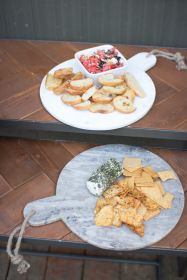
[(74, 204)]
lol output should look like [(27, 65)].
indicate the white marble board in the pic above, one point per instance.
[(74, 204)]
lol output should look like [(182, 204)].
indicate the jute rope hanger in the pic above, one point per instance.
[(177, 57), (15, 257)]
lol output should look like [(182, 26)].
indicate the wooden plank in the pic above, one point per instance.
[(16, 166), (39, 156), (8, 65), (4, 186), (178, 160), (137, 272), (63, 269), (28, 57), (167, 72), (19, 106), (166, 115), (12, 204), (101, 270), (183, 245), (56, 152), (4, 265), (53, 50), (56, 230), (75, 148), (72, 237), (16, 83), (40, 115)]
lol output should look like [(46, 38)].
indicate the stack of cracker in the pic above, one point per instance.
[(136, 198)]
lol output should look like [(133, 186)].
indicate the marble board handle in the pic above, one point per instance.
[(48, 210), (142, 61)]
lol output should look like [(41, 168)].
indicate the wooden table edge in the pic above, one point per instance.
[(83, 245), (146, 137)]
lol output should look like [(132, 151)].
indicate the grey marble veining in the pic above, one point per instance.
[(74, 204)]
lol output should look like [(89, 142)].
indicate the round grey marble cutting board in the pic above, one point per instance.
[(74, 204)]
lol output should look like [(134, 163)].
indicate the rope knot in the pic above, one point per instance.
[(15, 257), (22, 264), (177, 57)]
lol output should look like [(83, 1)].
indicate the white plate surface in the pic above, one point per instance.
[(97, 121)]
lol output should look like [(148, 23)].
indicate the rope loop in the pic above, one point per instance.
[(16, 258), (177, 57)]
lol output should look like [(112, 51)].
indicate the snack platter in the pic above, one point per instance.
[(75, 205), (93, 119)]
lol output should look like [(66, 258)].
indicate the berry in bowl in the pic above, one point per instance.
[(101, 60)]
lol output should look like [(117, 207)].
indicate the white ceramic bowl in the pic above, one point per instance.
[(116, 71)]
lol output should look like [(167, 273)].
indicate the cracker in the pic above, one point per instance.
[(100, 203), (159, 185), (105, 216), (149, 170), (142, 210), (129, 202), (167, 200), (144, 184), (113, 191), (150, 214), (166, 175), (132, 164), (150, 204), (139, 230), (155, 194), (130, 183), (117, 220), (131, 217), (136, 173), (145, 178)]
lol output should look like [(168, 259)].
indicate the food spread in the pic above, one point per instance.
[(101, 60), (135, 198), (104, 176)]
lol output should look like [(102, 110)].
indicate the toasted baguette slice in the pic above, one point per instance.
[(61, 88), (82, 84), (85, 105), (73, 91), (115, 90), (99, 97), (129, 94), (62, 73), (109, 80), (71, 99), (51, 82), (89, 93), (123, 105), (134, 85), (78, 76), (101, 108)]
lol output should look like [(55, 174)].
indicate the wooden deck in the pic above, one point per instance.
[(51, 268)]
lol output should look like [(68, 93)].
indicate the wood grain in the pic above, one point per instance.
[(12, 204), (4, 186), (16, 166)]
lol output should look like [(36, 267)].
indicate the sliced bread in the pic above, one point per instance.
[(82, 84)]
